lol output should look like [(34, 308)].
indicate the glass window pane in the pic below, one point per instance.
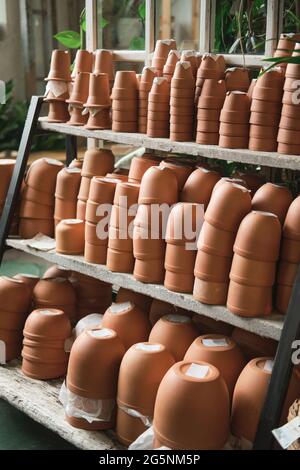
[(240, 18), (291, 16), (179, 20), (121, 24)]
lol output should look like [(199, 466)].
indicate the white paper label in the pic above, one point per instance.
[(148, 347), (177, 318), (51, 161), (268, 367), (288, 434), (2, 353), (104, 333), (57, 88), (212, 343), (119, 308), (49, 313), (197, 371)]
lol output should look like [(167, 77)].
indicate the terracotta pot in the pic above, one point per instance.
[(148, 75), (15, 295), (208, 126), (221, 352), (95, 254), (143, 302), (236, 101), (148, 248), (290, 250), (69, 236), (56, 271), (102, 190), (172, 406), (291, 227), (249, 301), (183, 102), (60, 66), (53, 291), (124, 94), (264, 119), (199, 185), (139, 166), (159, 185), (120, 240), (163, 47), (253, 345), (259, 106), (288, 149), (184, 223), (250, 393), (228, 195), (42, 175), (84, 189), (181, 172), (237, 130), (192, 58), (282, 299), (119, 261), (289, 123), (183, 71), (117, 176), (252, 272), (32, 195), (212, 268), (262, 145), (64, 210), (126, 194), (233, 142), (180, 111), (156, 125), (211, 293), (81, 210), (6, 172), (32, 210), (207, 139), (181, 136), (80, 91), (117, 318), (206, 325), (120, 218), (29, 279), (10, 323), (181, 93), (159, 309), (208, 114), (237, 78), (77, 116), (286, 273), (286, 45), (209, 68), (169, 67), (158, 107), (94, 208), (142, 369), (234, 117), (149, 271), (47, 324), (124, 105), (29, 228), (126, 79), (179, 259), (273, 198), (253, 180), (215, 241), (83, 62), (269, 94), (178, 282), (124, 126), (159, 134), (68, 183), (41, 371), (104, 63), (100, 120)]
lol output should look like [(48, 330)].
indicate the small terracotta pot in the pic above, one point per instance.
[(139, 166), (120, 219), (237, 78), (208, 114), (179, 259), (159, 134), (182, 172), (156, 125), (291, 227), (273, 198), (184, 223), (177, 282), (65, 209), (10, 323), (181, 136), (234, 117), (286, 45), (29, 228), (15, 295), (253, 180), (221, 352), (68, 183), (212, 268), (69, 236), (42, 175), (104, 63), (30, 194), (252, 272), (101, 120), (149, 271), (159, 185), (47, 325), (102, 190), (186, 102), (290, 250), (124, 126), (33, 210), (95, 254), (124, 94), (57, 290), (180, 111), (119, 261), (211, 293), (94, 208), (77, 116), (208, 126), (288, 149), (228, 195), (41, 371), (147, 77), (209, 68), (264, 119), (120, 240), (117, 176), (81, 210), (253, 345), (83, 62), (176, 333), (171, 404), (259, 106), (84, 189), (60, 66), (147, 248), (262, 145), (126, 79), (199, 185), (158, 107), (124, 105), (117, 318), (207, 139), (80, 91), (236, 101), (289, 123), (233, 142), (235, 130), (206, 325), (286, 273), (181, 93), (215, 241), (268, 94), (159, 309), (29, 279), (249, 301), (163, 47), (143, 302)]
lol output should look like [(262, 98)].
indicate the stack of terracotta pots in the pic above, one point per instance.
[(273, 198), (159, 108), (44, 352), (216, 240), (170, 65), (15, 299), (78, 98), (193, 58), (142, 301), (97, 162), (265, 111), (120, 315), (37, 204), (69, 236), (289, 257), (189, 394), (159, 187), (211, 67), (253, 270), (250, 394), (182, 103), (142, 369), (145, 86), (237, 78), (199, 186), (120, 245), (234, 120), (210, 103), (125, 102), (56, 293), (181, 170), (139, 166), (92, 379), (66, 193), (254, 345), (289, 126), (221, 352), (84, 62), (97, 218), (93, 295), (161, 52), (98, 103), (176, 332), (58, 87), (104, 64), (286, 46), (184, 225), (6, 171)]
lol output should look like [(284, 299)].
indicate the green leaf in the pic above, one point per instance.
[(294, 17), (83, 21), (103, 23), (69, 39), (142, 11), (137, 44)]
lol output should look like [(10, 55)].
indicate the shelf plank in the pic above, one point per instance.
[(270, 327), (270, 159), (39, 400)]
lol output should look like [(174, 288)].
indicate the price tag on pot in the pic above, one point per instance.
[(268, 367), (288, 433), (197, 371), (213, 343), (2, 353)]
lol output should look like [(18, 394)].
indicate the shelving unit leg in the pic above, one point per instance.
[(71, 148)]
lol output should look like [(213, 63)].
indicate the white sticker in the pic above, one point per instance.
[(104, 333), (2, 353), (288, 434), (148, 347), (174, 318), (122, 307), (197, 371), (211, 343), (268, 367), (51, 161), (68, 344)]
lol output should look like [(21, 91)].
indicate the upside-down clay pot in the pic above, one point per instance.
[(42, 175), (159, 309), (282, 299), (83, 62), (220, 351), (93, 373), (104, 63), (138, 166), (29, 279), (249, 397), (206, 325), (211, 293), (47, 324), (252, 272), (15, 295), (249, 301), (58, 290), (60, 67), (291, 227), (149, 271), (158, 186), (184, 223), (199, 186), (237, 78), (68, 183), (56, 271), (143, 302), (117, 317), (212, 268), (176, 333), (192, 408), (215, 241), (70, 237), (142, 369), (273, 198), (97, 162), (253, 345), (182, 172)]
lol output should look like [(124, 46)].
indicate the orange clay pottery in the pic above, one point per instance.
[(70, 237), (273, 198), (206, 325), (254, 345), (97, 162), (143, 302), (158, 186), (199, 185), (15, 295)]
